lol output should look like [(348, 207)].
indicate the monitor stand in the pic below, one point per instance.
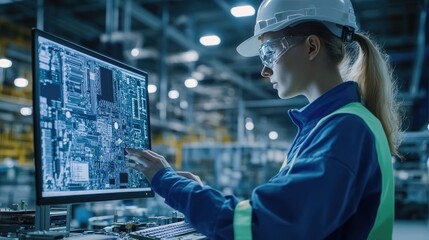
[(43, 218)]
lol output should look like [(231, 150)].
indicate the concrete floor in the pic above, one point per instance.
[(411, 230)]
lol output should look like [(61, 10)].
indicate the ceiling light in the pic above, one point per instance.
[(26, 111), (135, 52), (273, 135), (151, 88), (173, 94), (250, 126), (191, 83), (184, 57), (243, 11), (20, 82), (142, 53), (403, 175), (198, 75), (184, 104), (210, 40), (5, 63), (191, 56)]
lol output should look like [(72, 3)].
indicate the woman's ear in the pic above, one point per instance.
[(313, 46)]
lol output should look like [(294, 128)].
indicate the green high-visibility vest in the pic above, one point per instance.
[(383, 225)]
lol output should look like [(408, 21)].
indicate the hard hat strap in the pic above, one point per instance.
[(348, 34)]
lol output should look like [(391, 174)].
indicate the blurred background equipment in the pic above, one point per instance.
[(211, 111)]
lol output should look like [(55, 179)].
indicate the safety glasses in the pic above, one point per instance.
[(271, 50)]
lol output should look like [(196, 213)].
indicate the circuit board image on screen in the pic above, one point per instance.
[(89, 109)]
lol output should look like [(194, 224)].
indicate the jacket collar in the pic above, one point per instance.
[(338, 96)]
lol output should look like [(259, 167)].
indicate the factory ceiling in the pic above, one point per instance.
[(166, 34)]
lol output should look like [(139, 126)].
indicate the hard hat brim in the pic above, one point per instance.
[(249, 48)]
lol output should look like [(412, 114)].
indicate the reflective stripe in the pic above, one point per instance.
[(284, 164), (383, 225), (243, 221)]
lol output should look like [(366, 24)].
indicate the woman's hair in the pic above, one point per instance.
[(364, 63)]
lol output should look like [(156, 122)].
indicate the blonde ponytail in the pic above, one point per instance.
[(370, 68), (372, 72)]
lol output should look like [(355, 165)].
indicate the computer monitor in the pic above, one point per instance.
[(87, 109)]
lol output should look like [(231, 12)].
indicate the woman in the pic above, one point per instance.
[(337, 181)]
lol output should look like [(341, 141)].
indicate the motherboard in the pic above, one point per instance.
[(90, 111)]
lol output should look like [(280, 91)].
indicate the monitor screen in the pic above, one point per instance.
[(87, 109)]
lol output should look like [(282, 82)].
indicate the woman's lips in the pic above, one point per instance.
[(275, 85)]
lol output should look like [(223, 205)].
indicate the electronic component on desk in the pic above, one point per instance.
[(45, 235), (19, 220), (126, 226), (179, 230)]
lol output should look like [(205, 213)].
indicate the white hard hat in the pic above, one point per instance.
[(274, 15)]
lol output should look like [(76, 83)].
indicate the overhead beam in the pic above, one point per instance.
[(13, 104), (73, 25), (152, 21), (420, 51), (227, 8)]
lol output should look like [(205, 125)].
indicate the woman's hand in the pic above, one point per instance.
[(191, 176), (149, 163), (145, 161)]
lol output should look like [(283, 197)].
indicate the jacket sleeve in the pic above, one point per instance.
[(286, 206), (206, 208)]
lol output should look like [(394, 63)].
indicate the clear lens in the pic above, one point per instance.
[(271, 50)]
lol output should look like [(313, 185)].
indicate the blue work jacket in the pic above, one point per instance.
[(332, 192)]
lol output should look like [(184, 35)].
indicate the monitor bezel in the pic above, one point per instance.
[(40, 199)]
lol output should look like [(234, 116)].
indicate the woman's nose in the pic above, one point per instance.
[(266, 72)]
